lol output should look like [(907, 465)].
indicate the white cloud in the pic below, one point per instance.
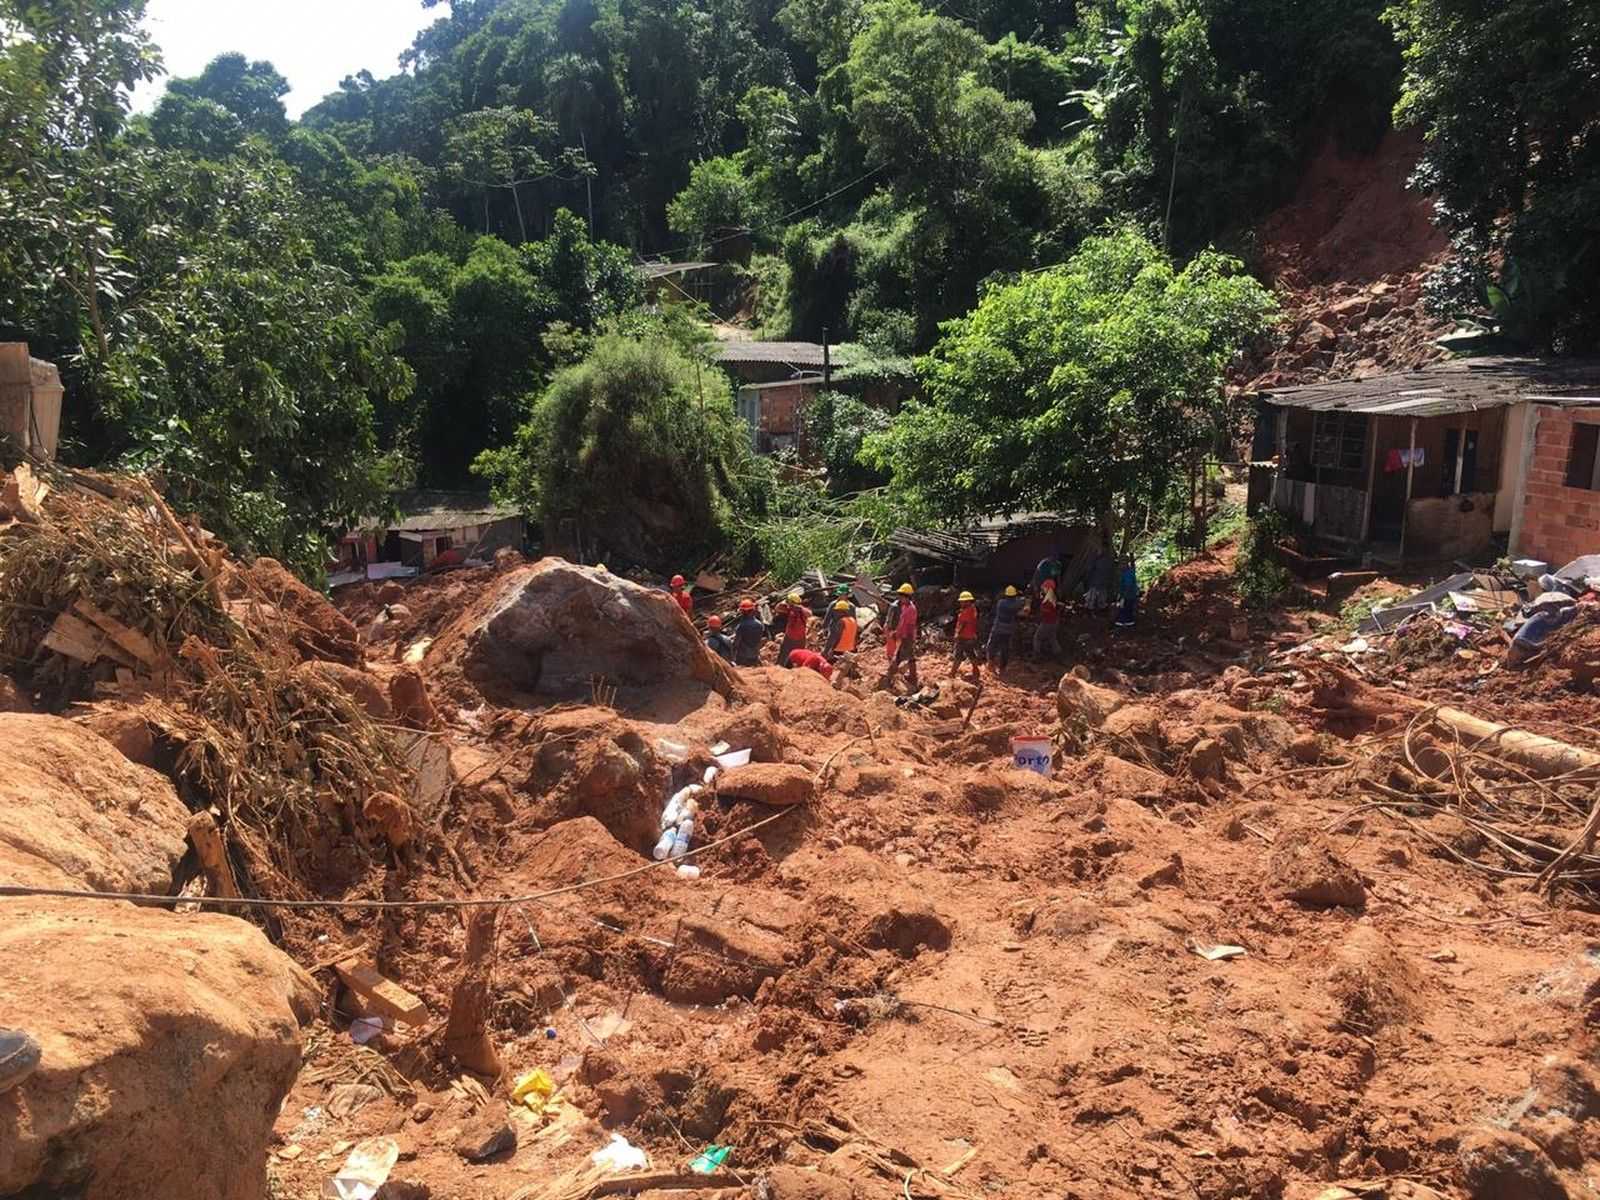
[(313, 43)]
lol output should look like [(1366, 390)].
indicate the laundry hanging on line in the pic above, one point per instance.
[(1399, 460)]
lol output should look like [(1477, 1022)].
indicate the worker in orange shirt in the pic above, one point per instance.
[(966, 644), (842, 630), (904, 634), (680, 593), (796, 617)]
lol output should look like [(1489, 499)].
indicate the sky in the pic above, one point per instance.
[(313, 43)]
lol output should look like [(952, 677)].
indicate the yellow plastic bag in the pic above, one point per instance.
[(534, 1090)]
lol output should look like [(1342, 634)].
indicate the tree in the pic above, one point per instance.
[(718, 196), (643, 450), (1085, 389), (504, 149), (1508, 98), (252, 91)]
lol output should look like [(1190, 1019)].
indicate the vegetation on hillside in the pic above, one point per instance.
[(292, 318)]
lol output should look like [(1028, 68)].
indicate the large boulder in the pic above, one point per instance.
[(555, 627), (779, 784), (168, 1044), (78, 814)]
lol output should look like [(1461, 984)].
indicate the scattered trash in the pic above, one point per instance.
[(364, 1029), (550, 1033), (719, 748), (347, 1099), (534, 1090), (1034, 754), (711, 774), (675, 753), (1356, 645), (1219, 953), (290, 1153), (618, 1155), (710, 1160), (688, 871), (365, 1171), (1442, 956), (733, 758)]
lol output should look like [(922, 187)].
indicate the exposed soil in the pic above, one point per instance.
[(1347, 258), (941, 962)]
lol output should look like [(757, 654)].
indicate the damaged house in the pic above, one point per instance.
[(1437, 463)]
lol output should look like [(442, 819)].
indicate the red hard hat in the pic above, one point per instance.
[(747, 606), (677, 581), (1050, 585), (714, 623)]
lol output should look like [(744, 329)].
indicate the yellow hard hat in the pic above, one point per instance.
[(841, 606), (966, 598), (906, 589), (601, 568), (794, 597), (1010, 591)]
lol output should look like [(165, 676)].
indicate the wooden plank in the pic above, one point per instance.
[(213, 855), (129, 640), (383, 996), (77, 639)]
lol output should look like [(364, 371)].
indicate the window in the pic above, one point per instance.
[(1339, 441), (1581, 462)]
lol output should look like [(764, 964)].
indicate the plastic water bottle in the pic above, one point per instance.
[(664, 846), (680, 842), (672, 813), (711, 773), (688, 871)]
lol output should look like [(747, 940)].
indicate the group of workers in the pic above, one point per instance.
[(841, 630)]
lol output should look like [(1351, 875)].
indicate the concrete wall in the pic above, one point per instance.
[(1555, 522), (1511, 465)]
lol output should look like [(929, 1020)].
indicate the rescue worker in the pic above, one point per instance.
[(1004, 630), (810, 658), (1127, 596), (966, 643), (718, 642), (796, 616), (748, 635), (903, 616), (1048, 571), (680, 593), (1047, 637), (832, 614), (841, 630)]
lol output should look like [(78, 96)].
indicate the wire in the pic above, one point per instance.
[(19, 890)]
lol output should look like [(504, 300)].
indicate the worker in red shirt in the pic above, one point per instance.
[(795, 619), (810, 658), (905, 637), (1047, 637), (680, 593), (967, 637)]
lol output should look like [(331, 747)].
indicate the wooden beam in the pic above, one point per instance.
[(130, 641), (382, 996), (1372, 472), (1411, 467), (213, 855), (77, 639)]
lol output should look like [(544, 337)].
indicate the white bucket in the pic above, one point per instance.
[(1036, 754)]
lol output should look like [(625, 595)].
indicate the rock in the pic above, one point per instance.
[(409, 700), (1564, 1083), (361, 687), (906, 931), (1373, 984), (1208, 759), (751, 728), (1080, 702), (77, 814), (317, 629), (1321, 336), (778, 784), (486, 1133), (391, 591), (989, 791), (797, 1183), (553, 627), (1305, 868), (1497, 1164), (124, 727), (1135, 728), (1306, 749), (168, 1043), (12, 698), (1119, 777)]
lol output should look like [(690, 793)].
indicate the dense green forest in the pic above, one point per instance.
[(430, 278)]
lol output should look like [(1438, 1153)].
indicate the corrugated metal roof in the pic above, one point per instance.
[(659, 270), (978, 541), (795, 354), (425, 510), (1460, 385)]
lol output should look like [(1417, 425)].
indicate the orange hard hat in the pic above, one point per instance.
[(677, 581), (714, 623), (747, 606)]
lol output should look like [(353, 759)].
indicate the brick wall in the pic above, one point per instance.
[(1559, 523)]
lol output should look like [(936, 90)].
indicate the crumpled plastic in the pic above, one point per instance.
[(619, 1155), (534, 1090)]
